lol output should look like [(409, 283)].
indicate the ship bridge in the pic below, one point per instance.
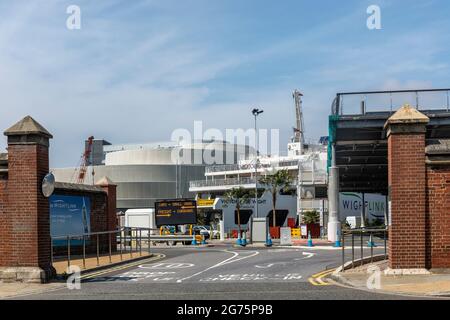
[(358, 139)]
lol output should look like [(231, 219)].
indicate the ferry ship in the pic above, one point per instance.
[(306, 164)]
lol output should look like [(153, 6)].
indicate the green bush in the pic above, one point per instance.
[(310, 217)]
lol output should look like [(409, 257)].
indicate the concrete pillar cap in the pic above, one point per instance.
[(407, 115), (27, 126), (105, 181)]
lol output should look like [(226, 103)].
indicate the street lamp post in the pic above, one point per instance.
[(256, 113)]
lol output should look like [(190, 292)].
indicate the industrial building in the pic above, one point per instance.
[(147, 172)]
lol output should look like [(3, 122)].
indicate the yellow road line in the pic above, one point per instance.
[(317, 279), (321, 273), (121, 267)]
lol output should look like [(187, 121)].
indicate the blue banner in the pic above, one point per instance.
[(69, 215)]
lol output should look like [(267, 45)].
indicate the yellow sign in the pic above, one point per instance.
[(295, 233), (205, 202)]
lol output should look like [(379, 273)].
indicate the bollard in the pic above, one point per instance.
[(194, 241), (337, 244), (239, 241), (244, 239), (269, 241), (371, 243), (203, 240), (310, 242)]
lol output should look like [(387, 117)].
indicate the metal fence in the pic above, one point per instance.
[(123, 241), (356, 103), (361, 237)]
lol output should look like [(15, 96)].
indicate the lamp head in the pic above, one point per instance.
[(257, 112)]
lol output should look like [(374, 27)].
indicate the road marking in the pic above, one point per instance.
[(167, 265), (308, 255), (121, 267), (265, 267), (226, 261), (317, 279), (252, 277)]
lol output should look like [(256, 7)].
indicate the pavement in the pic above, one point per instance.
[(435, 284)]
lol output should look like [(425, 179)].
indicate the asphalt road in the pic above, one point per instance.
[(223, 273)]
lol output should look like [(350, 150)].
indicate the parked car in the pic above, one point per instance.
[(207, 231), (213, 233)]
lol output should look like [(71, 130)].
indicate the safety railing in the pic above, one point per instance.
[(360, 103), (123, 241), (363, 237), (221, 182)]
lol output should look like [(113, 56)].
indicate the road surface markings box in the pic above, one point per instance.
[(175, 212)]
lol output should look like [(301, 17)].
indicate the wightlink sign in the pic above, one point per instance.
[(351, 204)]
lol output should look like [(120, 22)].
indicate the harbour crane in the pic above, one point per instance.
[(299, 136), (80, 171)]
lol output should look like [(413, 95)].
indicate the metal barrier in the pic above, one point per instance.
[(123, 237), (362, 233)]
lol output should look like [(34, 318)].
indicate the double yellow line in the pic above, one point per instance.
[(317, 279), (122, 267)]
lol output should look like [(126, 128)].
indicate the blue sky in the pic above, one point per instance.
[(137, 70)]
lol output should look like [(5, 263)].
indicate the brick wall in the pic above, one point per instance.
[(27, 208), (406, 159), (438, 216), (5, 235)]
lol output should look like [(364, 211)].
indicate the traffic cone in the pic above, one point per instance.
[(269, 241), (337, 243), (371, 243), (203, 239), (310, 242), (244, 239), (194, 241), (239, 241)]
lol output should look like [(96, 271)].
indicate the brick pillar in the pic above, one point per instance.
[(407, 187), (111, 202), (28, 214)]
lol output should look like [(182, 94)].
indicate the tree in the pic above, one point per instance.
[(274, 183), (310, 217), (240, 196)]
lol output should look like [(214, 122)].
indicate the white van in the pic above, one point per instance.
[(141, 218)]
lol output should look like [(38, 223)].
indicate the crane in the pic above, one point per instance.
[(80, 171), (299, 129)]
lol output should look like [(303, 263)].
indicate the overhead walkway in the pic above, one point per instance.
[(358, 139)]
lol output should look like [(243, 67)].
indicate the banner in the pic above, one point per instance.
[(69, 215), (350, 204)]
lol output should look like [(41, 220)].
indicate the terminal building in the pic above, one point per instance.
[(147, 172)]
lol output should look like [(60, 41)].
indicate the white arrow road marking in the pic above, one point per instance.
[(308, 255), (266, 266), (226, 261)]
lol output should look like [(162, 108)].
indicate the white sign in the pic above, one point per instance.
[(285, 236), (304, 230), (350, 205)]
